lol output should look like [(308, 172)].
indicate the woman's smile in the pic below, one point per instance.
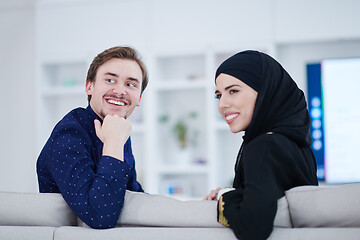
[(230, 117)]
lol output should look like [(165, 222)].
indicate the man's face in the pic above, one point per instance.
[(116, 89)]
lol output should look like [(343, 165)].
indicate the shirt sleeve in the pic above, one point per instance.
[(95, 192), (133, 184), (250, 210)]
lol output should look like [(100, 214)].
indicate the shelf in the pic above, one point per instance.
[(176, 85), (183, 169), (63, 73), (63, 91)]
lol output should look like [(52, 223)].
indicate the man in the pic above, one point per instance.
[(88, 157)]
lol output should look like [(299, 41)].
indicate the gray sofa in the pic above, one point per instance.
[(307, 212)]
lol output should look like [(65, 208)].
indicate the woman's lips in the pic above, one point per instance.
[(231, 117)]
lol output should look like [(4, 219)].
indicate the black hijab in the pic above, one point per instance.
[(280, 106)]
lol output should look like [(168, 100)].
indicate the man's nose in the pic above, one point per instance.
[(120, 89)]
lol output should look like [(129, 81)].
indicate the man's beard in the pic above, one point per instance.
[(111, 95), (103, 115)]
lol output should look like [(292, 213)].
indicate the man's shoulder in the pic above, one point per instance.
[(77, 118)]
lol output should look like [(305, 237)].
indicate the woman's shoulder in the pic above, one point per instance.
[(271, 139), (271, 144)]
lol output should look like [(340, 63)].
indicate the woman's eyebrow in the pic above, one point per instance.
[(228, 87), (234, 85)]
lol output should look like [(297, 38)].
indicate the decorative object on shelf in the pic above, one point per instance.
[(181, 129), (69, 81), (195, 77), (185, 136)]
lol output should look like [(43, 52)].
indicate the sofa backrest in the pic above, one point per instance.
[(325, 206), (142, 209), (282, 217), (35, 209)]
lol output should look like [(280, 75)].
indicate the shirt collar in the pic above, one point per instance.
[(92, 114)]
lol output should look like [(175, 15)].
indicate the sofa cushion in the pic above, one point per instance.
[(324, 206), (315, 233), (26, 233), (35, 209), (157, 210), (140, 233)]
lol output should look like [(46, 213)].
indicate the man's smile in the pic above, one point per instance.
[(119, 103)]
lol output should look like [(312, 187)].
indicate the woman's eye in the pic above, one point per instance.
[(110, 80), (131, 84), (233, 91), (217, 96)]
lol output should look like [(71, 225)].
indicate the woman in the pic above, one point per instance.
[(257, 95)]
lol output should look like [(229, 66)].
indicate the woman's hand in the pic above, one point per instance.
[(213, 194)]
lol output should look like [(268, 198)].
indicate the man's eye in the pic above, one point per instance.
[(131, 85), (110, 80)]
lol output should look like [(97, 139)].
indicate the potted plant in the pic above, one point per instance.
[(184, 135)]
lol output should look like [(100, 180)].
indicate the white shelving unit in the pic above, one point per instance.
[(60, 88), (181, 90)]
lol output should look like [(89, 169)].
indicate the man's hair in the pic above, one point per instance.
[(117, 52)]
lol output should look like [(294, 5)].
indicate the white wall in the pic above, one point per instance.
[(316, 20), (293, 31), (17, 99), (295, 56)]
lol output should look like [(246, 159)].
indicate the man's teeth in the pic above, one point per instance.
[(231, 116), (116, 102)]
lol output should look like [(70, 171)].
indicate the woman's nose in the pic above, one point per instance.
[(223, 103)]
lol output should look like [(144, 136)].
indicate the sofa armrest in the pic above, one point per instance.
[(35, 209), (323, 206)]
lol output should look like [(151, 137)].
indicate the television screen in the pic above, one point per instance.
[(334, 107)]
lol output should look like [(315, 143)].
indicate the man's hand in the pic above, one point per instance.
[(114, 132)]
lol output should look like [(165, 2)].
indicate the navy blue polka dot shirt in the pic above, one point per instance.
[(71, 163)]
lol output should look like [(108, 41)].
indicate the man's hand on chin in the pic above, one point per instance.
[(114, 132)]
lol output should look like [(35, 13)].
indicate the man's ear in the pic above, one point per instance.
[(138, 104), (89, 87)]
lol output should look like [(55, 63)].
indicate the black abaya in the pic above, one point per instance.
[(275, 155)]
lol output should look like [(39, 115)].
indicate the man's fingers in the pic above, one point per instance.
[(97, 125)]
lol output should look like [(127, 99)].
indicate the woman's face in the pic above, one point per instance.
[(236, 102)]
